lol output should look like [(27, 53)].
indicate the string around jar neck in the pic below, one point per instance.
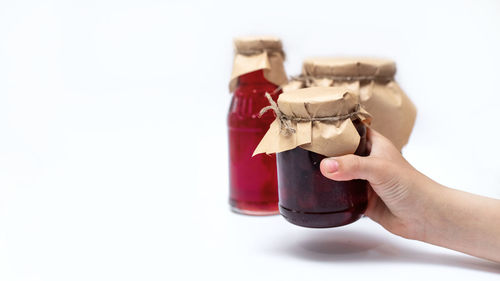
[(286, 127), (252, 52), (309, 79)]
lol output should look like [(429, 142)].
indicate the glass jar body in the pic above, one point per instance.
[(309, 199), (253, 180)]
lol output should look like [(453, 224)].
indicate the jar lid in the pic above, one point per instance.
[(346, 67), (250, 45), (256, 53), (318, 119), (318, 102)]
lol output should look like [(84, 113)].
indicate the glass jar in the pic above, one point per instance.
[(309, 199), (253, 181), (257, 70)]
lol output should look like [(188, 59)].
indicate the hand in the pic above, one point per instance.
[(398, 195), (409, 204)]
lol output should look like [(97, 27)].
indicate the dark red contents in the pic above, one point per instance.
[(253, 181), (309, 199)]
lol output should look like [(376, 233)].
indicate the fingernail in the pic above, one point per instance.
[(331, 165)]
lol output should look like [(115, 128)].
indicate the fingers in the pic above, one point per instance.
[(372, 134), (378, 141), (350, 167), (383, 148), (376, 208)]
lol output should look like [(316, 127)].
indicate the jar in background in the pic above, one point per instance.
[(373, 78), (257, 69), (311, 124)]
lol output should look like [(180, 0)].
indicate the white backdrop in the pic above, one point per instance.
[(113, 161)]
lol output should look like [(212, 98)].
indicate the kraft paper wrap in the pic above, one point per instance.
[(329, 138), (255, 53), (393, 112)]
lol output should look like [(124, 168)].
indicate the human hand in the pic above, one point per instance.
[(399, 194), (411, 205)]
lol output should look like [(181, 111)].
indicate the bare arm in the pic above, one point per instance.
[(465, 222), (409, 204)]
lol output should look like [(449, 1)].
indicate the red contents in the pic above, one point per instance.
[(309, 199), (253, 181)]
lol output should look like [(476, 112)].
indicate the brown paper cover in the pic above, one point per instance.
[(329, 138), (255, 53)]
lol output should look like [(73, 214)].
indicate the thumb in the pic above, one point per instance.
[(349, 167)]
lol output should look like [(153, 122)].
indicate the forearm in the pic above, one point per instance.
[(464, 222), (409, 204)]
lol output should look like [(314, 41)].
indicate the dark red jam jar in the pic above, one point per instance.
[(253, 180), (309, 199)]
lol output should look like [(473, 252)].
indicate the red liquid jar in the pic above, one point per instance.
[(253, 180), (309, 199)]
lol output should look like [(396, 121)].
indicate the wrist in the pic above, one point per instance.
[(444, 222), (428, 219)]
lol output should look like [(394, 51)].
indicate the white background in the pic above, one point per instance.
[(113, 151)]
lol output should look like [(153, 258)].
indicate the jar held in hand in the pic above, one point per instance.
[(322, 122)]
